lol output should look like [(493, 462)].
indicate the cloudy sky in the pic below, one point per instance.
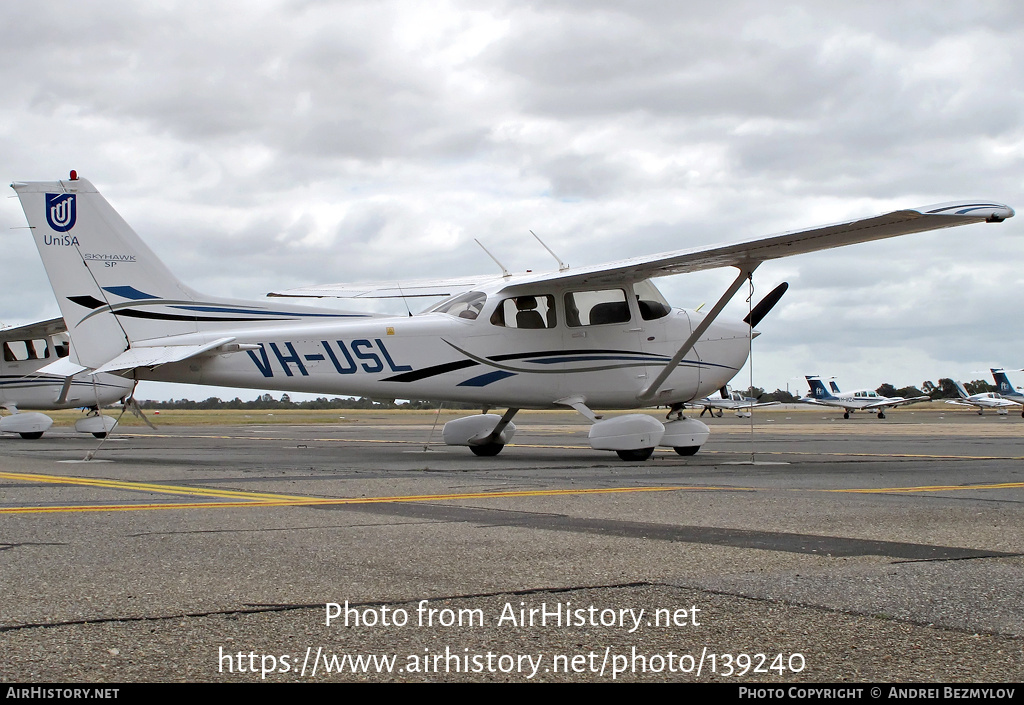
[(262, 145)]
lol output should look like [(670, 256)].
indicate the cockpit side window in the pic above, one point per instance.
[(527, 312), (466, 305), (595, 308)]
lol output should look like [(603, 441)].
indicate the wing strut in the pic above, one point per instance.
[(746, 271)]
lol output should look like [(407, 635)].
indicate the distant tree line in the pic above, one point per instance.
[(945, 389), (266, 402)]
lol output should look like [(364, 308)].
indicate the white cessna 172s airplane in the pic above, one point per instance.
[(28, 348), (591, 337), (867, 399)]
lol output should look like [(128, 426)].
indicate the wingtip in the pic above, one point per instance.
[(991, 211)]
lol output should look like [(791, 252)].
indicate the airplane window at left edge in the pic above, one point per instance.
[(466, 305), (22, 350)]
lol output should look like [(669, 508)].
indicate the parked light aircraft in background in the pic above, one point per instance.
[(731, 401), (1006, 389), (594, 337), (982, 401), (867, 399), (28, 348)]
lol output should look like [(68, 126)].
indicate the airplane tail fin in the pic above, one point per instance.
[(961, 391), (112, 289), (834, 386), (1003, 384), (818, 390)]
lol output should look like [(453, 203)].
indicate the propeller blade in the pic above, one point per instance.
[(758, 313)]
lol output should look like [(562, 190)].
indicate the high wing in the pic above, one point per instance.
[(743, 254), (40, 329), (411, 288), (882, 404), (731, 404), (795, 242)]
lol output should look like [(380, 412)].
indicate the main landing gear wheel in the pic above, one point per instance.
[(881, 415), (846, 415), (100, 435), (487, 450), (635, 456), (34, 435), (687, 450)]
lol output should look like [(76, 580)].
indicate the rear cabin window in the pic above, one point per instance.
[(20, 350), (528, 312), (596, 308)]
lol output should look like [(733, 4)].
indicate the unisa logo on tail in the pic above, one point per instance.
[(61, 212)]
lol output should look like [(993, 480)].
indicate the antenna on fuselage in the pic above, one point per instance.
[(562, 266), (404, 300), (504, 272)]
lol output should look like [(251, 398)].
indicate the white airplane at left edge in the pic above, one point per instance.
[(593, 337), (28, 348)]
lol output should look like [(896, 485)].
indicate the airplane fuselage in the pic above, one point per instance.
[(23, 387), (439, 356)]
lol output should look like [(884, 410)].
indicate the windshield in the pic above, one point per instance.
[(466, 305), (651, 302)]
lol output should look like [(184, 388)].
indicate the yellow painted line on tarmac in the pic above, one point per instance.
[(933, 488), (142, 486), (262, 499), (924, 456), (296, 501)]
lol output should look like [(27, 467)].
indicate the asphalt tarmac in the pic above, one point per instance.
[(802, 548)]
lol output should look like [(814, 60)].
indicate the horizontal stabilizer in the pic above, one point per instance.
[(157, 355), (63, 367)]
